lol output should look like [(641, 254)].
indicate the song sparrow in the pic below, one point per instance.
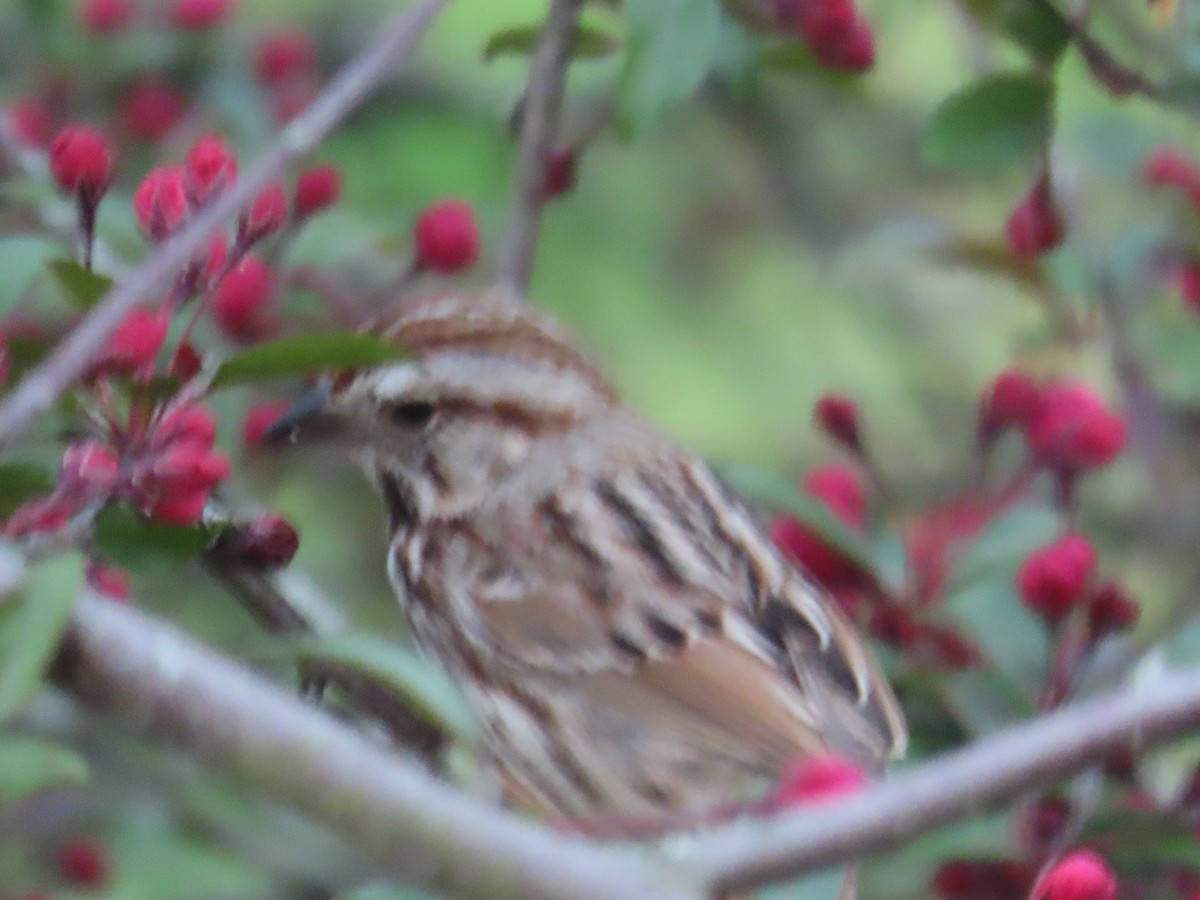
[(631, 642)]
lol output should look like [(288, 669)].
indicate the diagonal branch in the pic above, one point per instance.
[(949, 788), (41, 388), (119, 662), (539, 121)]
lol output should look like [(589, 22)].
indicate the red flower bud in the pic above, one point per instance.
[(1168, 167), (316, 189), (1052, 581), (187, 466), (179, 509), (29, 120), (186, 422), (244, 305), (1072, 429), (837, 35), (112, 583), (81, 160), (150, 110), (136, 341), (83, 863), (195, 15), (1083, 875), (1008, 401), (105, 16), (447, 238), (1111, 610), (837, 416), (268, 213), (185, 363), (160, 202), (842, 491), (89, 465), (259, 418), (813, 780), (42, 516), (268, 542), (560, 173), (210, 168), (283, 55), (1035, 225)]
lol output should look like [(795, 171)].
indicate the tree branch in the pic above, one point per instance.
[(119, 662), (539, 120), (41, 388), (951, 787)]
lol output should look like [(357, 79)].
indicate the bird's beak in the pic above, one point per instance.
[(309, 421)]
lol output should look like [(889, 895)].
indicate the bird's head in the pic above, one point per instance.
[(489, 381)]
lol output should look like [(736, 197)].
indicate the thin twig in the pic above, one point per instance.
[(120, 662), (950, 787), (539, 121), (258, 593), (41, 388)]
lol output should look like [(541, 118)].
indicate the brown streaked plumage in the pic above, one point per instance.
[(630, 640)]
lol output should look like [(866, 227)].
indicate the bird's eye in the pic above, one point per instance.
[(412, 413)]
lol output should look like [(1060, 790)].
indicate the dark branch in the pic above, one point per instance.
[(539, 122), (117, 661), (257, 592), (41, 388)]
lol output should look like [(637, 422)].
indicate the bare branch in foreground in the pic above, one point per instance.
[(539, 121), (948, 788), (39, 390), (117, 661)]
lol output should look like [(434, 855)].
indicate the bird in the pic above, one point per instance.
[(631, 642)]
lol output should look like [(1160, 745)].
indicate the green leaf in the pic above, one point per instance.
[(21, 482), (774, 492), (305, 353), (30, 631), (24, 354), (424, 688), (1011, 636), (83, 288), (29, 765), (590, 43), (1038, 27), (23, 258), (994, 122), (671, 44), (1003, 545), (132, 541)]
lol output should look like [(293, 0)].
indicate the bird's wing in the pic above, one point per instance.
[(663, 622)]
